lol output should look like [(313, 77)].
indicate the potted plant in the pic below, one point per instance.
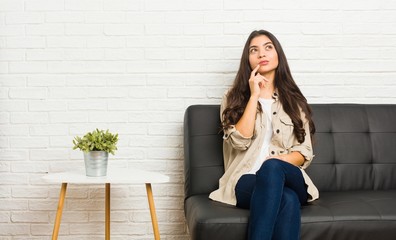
[(96, 146)]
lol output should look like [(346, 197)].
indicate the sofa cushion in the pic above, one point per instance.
[(363, 215), (354, 147), (350, 215), (207, 219)]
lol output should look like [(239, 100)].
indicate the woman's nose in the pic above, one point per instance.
[(261, 53)]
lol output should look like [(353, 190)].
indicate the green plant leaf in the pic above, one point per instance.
[(97, 140)]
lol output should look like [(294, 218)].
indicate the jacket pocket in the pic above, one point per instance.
[(287, 128)]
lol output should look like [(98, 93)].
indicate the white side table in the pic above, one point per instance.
[(114, 175)]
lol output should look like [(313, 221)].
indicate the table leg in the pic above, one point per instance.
[(59, 211), (107, 213), (152, 211)]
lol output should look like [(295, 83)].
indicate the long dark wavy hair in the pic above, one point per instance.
[(290, 95)]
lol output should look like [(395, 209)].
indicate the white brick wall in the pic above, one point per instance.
[(133, 66)]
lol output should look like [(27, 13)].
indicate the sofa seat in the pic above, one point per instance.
[(350, 215), (367, 215)]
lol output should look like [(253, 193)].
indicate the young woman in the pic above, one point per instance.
[(267, 145)]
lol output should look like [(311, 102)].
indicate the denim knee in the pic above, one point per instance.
[(244, 190), (272, 165)]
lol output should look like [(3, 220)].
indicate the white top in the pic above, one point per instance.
[(266, 106), (114, 175)]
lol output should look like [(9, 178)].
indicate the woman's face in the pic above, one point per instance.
[(262, 52)]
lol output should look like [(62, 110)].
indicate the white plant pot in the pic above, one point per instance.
[(96, 163)]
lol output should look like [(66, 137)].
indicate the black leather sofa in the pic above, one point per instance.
[(354, 169)]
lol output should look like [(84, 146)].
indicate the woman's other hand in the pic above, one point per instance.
[(295, 158)]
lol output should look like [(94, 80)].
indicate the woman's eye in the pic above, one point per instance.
[(269, 47), (253, 50)]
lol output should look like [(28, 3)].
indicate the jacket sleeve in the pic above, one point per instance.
[(231, 135)]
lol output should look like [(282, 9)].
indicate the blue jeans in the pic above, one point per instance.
[(274, 196)]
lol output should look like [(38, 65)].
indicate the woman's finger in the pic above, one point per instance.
[(255, 71)]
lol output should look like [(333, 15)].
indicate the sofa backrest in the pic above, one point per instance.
[(354, 147)]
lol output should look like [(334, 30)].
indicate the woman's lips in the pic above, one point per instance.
[(262, 63)]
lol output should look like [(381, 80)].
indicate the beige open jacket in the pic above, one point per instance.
[(240, 152)]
